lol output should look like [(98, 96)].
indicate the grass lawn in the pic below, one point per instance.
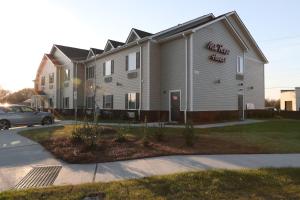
[(262, 184), (275, 136)]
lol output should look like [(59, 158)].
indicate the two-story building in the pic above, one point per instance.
[(206, 69), (290, 100)]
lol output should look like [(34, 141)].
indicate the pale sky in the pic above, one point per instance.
[(28, 29)]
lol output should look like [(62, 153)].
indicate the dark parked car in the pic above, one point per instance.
[(15, 115)]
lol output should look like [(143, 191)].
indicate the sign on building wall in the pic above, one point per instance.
[(219, 49)]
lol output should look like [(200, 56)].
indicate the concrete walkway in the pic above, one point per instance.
[(18, 155), (156, 124)]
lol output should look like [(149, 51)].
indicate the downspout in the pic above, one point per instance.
[(76, 92), (243, 117), (186, 77), (141, 80)]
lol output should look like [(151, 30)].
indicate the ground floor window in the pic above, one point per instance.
[(132, 101), (108, 101), (90, 102), (66, 102), (50, 101)]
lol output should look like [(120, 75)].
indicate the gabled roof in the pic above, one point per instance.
[(96, 51), (136, 34), (112, 44), (73, 53)]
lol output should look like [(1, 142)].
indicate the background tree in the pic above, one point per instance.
[(3, 93), (19, 96), (274, 103)]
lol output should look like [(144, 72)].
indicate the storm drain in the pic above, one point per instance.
[(39, 177)]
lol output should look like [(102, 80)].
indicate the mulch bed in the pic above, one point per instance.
[(108, 149)]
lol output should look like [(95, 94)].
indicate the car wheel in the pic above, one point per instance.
[(4, 124), (47, 121)]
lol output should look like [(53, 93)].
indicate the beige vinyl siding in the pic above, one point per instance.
[(298, 99), (80, 84), (120, 84), (207, 95), (172, 71), (288, 96), (155, 80), (254, 83), (252, 52)]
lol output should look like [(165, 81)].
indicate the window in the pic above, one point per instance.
[(108, 68), (240, 65), (67, 74), (90, 72), (132, 101), (108, 101), (43, 80), (51, 78), (26, 109), (66, 102), (50, 101), (133, 61), (90, 102)]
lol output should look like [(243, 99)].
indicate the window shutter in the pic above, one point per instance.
[(103, 102), (137, 100), (112, 66), (127, 63), (126, 101), (103, 69), (112, 101), (138, 59)]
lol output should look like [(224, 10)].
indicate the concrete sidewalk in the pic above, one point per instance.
[(156, 124)]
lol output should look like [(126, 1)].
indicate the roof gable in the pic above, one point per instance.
[(248, 35), (72, 53), (136, 34), (112, 44), (94, 52)]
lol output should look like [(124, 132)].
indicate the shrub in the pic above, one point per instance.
[(189, 134), (146, 133), (159, 133), (121, 136)]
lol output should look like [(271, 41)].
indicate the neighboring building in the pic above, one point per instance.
[(206, 68), (290, 100)]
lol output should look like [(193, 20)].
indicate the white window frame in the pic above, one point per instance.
[(51, 78), (240, 67), (90, 73), (132, 65), (108, 68), (67, 74), (90, 106)]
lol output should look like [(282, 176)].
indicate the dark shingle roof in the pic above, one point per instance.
[(73, 53), (116, 43), (142, 34), (96, 51)]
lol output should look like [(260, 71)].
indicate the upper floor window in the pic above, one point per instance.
[(133, 61), (51, 78), (43, 80), (90, 72), (108, 68), (240, 65), (67, 74), (108, 101)]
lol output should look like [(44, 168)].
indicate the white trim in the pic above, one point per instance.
[(108, 43), (141, 82), (191, 72), (132, 31), (148, 71), (186, 79), (61, 52), (169, 100)]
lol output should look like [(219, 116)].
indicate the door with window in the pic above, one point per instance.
[(241, 106), (175, 105), (288, 105)]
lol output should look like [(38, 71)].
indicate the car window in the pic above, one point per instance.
[(14, 109), (27, 109)]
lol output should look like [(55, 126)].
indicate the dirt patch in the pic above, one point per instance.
[(108, 149)]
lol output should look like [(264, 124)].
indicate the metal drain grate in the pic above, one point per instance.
[(39, 177)]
